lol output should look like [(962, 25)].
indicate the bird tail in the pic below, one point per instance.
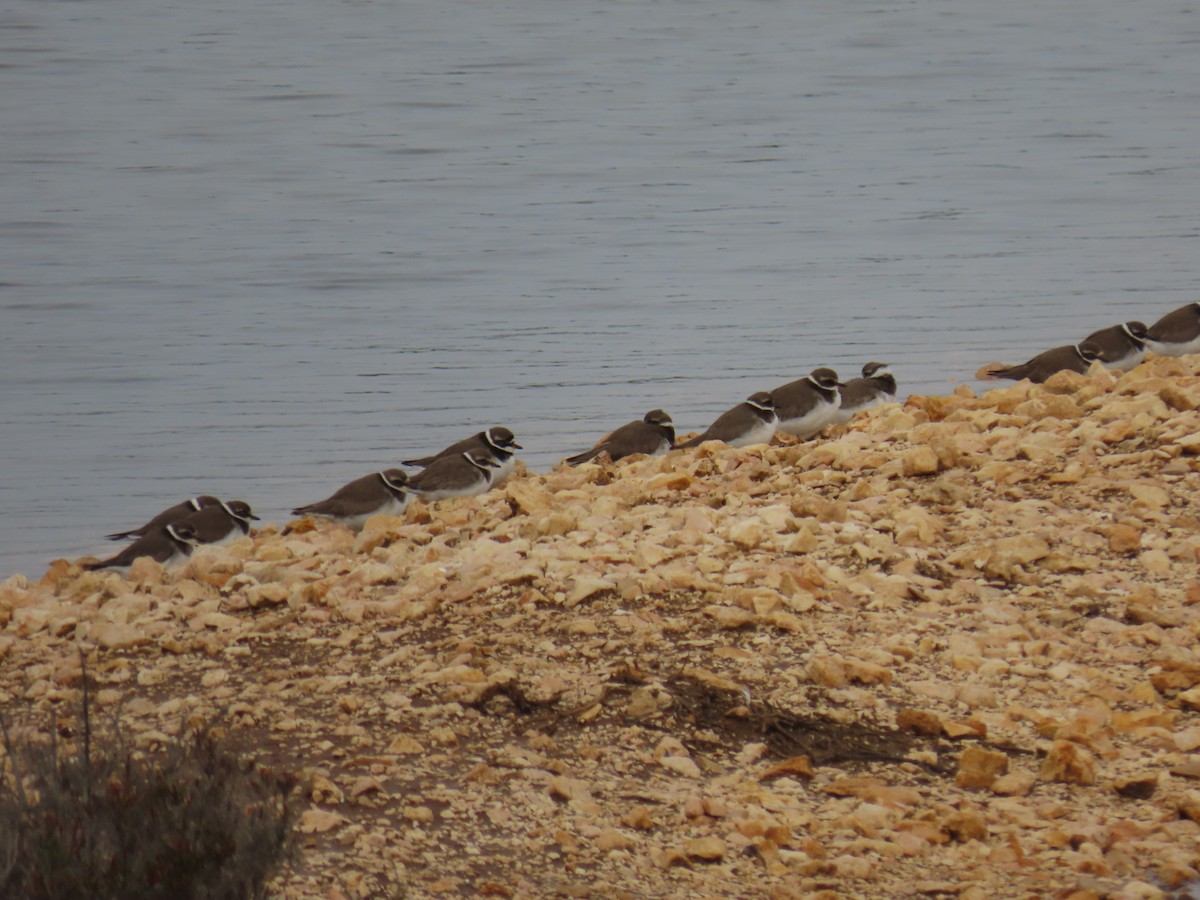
[(124, 535), (418, 463), (581, 458)]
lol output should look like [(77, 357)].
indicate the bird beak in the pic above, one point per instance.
[(516, 446)]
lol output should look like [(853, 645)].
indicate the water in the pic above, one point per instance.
[(263, 249)]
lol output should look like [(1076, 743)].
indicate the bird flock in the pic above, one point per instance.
[(801, 408)]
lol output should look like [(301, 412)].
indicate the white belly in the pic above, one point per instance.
[(1127, 362), (1192, 346), (173, 560), (478, 486), (844, 414), (759, 434), (393, 507), (500, 475), (812, 422)]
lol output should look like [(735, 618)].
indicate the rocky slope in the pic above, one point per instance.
[(948, 651)]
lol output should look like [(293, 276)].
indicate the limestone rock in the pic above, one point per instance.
[(966, 825), (709, 849), (1070, 763), (920, 461), (979, 768), (1009, 557), (528, 498)]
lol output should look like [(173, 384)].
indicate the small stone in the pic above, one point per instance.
[(978, 696), (1070, 763), (584, 587), (576, 792), (1123, 538), (730, 617), (647, 701), (1156, 561), (855, 867), (803, 541), (112, 636), (1137, 787), (979, 768), (665, 859), (405, 745), (828, 671), (421, 814), (1151, 495), (146, 570), (271, 594), (365, 785), (1011, 556), (796, 767), (919, 461), (747, 534), (1136, 890), (681, 765), (862, 672), (1014, 784), (709, 849), (318, 821), (528, 498), (611, 839), (919, 721), (1188, 806), (1179, 399), (966, 825), (871, 819), (957, 731), (638, 817)]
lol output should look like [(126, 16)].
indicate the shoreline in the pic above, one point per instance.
[(576, 682)]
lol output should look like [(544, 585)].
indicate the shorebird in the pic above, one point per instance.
[(221, 523), (380, 493), (1177, 333), (877, 386), (498, 442), (809, 404), (653, 434), (752, 421), (464, 475), (167, 516), (1121, 346), (167, 544), (1072, 357)]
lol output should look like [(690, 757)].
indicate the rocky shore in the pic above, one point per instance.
[(948, 650)]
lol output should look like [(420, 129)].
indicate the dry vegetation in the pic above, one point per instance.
[(102, 821), (950, 651)]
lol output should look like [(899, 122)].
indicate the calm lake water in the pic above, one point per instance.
[(262, 249)]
